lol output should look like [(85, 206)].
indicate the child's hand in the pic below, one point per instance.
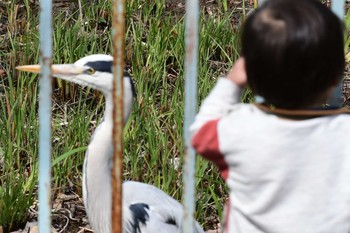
[(238, 74)]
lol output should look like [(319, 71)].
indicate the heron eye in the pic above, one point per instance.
[(90, 71)]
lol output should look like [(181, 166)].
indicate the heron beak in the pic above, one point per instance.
[(64, 69)]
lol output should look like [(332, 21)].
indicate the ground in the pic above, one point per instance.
[(68, 210)]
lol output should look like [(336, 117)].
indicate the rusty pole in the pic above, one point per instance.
[(118, 31)]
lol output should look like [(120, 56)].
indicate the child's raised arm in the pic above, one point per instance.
[(226, 93)]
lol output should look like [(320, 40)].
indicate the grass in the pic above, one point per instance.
[(153, 136)]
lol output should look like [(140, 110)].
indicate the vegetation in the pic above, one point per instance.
[(153, 136)]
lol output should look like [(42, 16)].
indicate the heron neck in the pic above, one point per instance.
[(97, 168), (108, 114), (97, 172), (127, 102)]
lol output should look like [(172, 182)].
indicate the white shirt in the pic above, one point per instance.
[(285, 176)]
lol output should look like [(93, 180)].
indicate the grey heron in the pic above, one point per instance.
[(146, 209)]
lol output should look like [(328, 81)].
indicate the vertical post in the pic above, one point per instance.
[(45, 117), (191, 63), (118, 32), (338, 8), (335, 99)]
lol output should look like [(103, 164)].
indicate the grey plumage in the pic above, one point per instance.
[(146, 209)]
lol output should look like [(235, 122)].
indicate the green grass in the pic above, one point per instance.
[(153, 136)]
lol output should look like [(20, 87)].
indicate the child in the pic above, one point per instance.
[(287, 162)]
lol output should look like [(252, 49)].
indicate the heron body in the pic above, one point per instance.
[(146, 209)]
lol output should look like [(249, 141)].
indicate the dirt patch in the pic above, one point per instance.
[(68, 215)]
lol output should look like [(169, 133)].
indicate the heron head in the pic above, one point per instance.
[(94, 71)]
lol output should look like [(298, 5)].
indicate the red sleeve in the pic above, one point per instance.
[(206, 143)]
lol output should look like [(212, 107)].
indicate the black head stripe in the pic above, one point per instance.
[(102, 66), (106, 66)]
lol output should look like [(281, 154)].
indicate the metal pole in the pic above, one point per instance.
[(191, 63), (45, 104), (338, 7), (118, 32)]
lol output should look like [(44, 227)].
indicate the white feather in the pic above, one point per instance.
[(97, 169)]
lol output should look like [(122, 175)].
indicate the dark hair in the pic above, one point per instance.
[(293, 51)]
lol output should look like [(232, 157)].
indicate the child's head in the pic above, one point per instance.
[(293, 52)]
